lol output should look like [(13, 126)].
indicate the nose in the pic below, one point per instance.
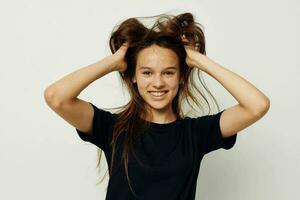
[(158, 81)]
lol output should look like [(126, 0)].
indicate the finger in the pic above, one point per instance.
[(125, 44), (183, 38)]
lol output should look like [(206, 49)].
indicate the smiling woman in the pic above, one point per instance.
[(160, 81), (152, 147)]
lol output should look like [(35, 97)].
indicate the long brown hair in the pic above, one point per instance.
[(166, 32)]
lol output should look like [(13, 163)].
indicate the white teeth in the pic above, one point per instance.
[(157, 94)]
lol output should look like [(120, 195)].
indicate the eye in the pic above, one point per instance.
[(146, 72), (169, 73)]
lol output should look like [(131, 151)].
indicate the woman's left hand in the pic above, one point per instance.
[(193, 57)]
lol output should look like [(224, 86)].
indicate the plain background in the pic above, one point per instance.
[(41, 156)]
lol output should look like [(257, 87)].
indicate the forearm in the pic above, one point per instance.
[(71, 85), (243, 91)]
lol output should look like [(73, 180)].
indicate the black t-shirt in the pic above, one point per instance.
[(170, 153)]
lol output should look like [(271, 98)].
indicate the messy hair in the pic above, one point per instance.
[(166, 32)]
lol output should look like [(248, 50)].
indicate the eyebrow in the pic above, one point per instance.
[(145, 67)]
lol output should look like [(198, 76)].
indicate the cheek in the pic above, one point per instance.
[(142, 86), (173, 84), (143, 83)]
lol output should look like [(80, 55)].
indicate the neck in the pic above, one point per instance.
[(161, 117)]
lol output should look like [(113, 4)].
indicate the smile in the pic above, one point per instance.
[(158, 95)]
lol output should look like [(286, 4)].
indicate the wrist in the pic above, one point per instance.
[(112, 63), (202, 61)]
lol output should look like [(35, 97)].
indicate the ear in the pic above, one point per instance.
[(181, 80), (134, 79)]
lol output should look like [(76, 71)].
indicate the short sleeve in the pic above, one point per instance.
[(103, 122), (208, 133)]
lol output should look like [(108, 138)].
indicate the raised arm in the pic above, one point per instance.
[(70, 86), (253, 104), (61, 96)]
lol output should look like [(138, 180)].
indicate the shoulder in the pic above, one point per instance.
[(203, 124)]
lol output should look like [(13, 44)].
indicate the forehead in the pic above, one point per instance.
[(156, 57)]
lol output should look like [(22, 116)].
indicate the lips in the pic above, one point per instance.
[(158, 94), (158, 91)]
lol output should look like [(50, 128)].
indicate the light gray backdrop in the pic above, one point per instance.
[(41, 155)]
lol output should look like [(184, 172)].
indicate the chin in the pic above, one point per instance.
[(158, 105)]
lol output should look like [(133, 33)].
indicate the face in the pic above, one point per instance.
[(157, 77)]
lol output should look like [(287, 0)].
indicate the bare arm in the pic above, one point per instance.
[(253, 104), (61, 96), (71, 85), (248, 96)]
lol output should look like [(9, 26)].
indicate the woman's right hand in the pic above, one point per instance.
[(119, 57)]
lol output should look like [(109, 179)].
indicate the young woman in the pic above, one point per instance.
[(153, 149)]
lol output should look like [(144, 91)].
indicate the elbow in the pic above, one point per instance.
[(51, 100), (263, 108)]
